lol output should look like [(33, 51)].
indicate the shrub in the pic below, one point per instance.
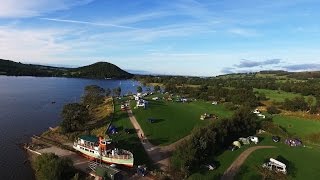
[(273, 110)]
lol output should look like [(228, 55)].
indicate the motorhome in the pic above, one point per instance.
[(275, 165)]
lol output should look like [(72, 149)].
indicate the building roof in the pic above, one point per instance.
[(89, 138), (106, 171)]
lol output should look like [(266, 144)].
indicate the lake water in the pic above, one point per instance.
[(26, 109)]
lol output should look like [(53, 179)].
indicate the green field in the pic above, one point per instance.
[(174, 120), (297, 126), (130, 141), (302, 162), (279, 96)]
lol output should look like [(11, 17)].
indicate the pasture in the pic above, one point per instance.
[(297, 126), (279, 96)]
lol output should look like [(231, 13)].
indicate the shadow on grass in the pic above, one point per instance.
[(242, 171), (155, 120), (291, 168), (158, 141)]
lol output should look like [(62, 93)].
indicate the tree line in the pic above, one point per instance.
[(76, 115), (209, 141)]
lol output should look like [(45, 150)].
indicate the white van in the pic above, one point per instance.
[(275, 165)]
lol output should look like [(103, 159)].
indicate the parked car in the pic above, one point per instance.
[(275, 138)]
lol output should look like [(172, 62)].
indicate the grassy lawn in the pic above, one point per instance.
[(297, 126), (224, 161), (174, 120), (128, 141), (302, 162)]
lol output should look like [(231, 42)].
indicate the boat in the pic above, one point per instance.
[(103, 149)]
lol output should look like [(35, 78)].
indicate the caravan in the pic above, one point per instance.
[(275, 165)]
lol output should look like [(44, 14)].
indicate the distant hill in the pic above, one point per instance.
[(277, 74), (99, 70)]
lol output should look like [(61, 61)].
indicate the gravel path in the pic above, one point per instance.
[(235, 166), (159, 154)]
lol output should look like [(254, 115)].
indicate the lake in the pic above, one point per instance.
[(26, 108)]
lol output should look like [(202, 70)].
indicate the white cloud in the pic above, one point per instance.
[(30, 8), (88, 23), (30, 44), (243, 32)]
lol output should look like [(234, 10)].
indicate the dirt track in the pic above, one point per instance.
[(159, 154), (235, 166)]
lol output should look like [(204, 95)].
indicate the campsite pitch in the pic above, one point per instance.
[(172, 121)]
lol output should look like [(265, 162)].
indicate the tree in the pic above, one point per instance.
[(93, 95), (74, 117), (139, 89), (117, 91), (156, 88), (148, 89), (296, 104), (108, 92), (51, 167), (310, 101)]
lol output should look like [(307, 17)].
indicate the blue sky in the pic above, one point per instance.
[(184, 37)]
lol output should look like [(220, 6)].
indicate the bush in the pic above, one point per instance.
[(230, 106), (314, 110), (273, 110), (274, 129)]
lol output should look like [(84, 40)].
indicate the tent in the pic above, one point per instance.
[(237, 143), (112, 129), (244, 140)]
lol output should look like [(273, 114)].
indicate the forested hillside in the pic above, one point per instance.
[(98, 70)]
